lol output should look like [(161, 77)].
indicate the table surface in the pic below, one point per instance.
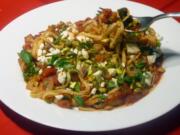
[(9, 10)]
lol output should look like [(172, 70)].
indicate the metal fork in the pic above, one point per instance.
[(147, 21)]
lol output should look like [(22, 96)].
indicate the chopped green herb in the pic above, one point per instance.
[(71, 55), (138, 85), (53, 59), (79, 100), (128, 79), (102, 90), (102, 96), (120, 80), (63, 63), (57, 40), (111, 84), (140, 65), (138, 76), (30, 71), (68, 43), (64, 50), (25, 56), (60, 62), (134, 34), (85, 45)]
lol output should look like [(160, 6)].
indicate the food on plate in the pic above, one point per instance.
[(92, 64)]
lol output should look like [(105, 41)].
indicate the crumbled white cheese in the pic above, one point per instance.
[(148, 78), (56, 51), (72, 28), (132, 56), (102, 84), (40, 71), (93, 91), (75, 50), (112, 71), (83, 38), (56, 29), (41, 46), (49, 54), (78, 66), (50, 39), (42, 59), (98, 73), (151, 59), (71, 36), (79, 53), (44, 51), (48, 66), (68, 35), (132, 48), (114, 80), (85, 54), (123, 64), (53, 51), (68, 89), (62, 77), (71, 49), (59, 97), (59, 70), (64, 34), (72, 85), (147, 32), (102, 64), (39, 52)]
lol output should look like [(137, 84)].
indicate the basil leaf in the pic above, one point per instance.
[(79, 100), (25, 56)]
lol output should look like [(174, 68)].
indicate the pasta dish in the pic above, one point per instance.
[(92, 64)]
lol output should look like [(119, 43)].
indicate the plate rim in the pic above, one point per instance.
[(28, 12)]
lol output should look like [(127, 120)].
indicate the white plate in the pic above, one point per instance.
[(12, 88)]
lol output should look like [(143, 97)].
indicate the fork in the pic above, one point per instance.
[(145, 22)]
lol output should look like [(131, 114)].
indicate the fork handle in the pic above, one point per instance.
[(161, 16)]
